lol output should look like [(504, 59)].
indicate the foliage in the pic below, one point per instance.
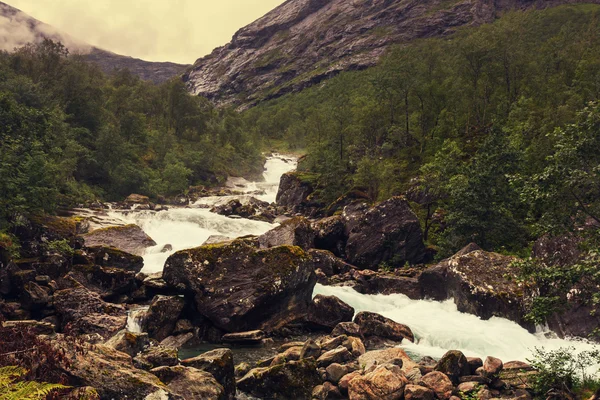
[(555, 285), (11, 388), (564, 371), (61, 247), (69, 134)]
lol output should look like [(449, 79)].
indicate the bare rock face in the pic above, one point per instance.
[(302, 42), (239, 287)]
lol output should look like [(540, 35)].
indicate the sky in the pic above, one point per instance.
[(154, 30)]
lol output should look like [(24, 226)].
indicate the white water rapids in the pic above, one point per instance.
[(438, 326)]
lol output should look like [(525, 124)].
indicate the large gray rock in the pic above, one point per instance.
[(128, 238), (294, 191), (293, 232), (219, 363), (389, 232), (328, 311), (372, 324), (161, 317), (239, 287)]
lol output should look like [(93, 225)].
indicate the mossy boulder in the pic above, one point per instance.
[(161, 317), (219, 363), (295, 189), (190, 383), (289, 381), (241, 288), (293, 232), (113, 257), (129, 238)]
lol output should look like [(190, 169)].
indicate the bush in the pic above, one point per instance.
[(12, 388), (564, 372)]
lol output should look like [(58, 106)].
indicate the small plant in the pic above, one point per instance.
[(61, 247), (386, 267), (563, 371), (11, 244), (13, 387)]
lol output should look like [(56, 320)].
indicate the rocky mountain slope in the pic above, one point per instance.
[(17, 29), (302, 42)]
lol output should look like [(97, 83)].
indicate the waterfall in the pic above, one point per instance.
[(135, 319)]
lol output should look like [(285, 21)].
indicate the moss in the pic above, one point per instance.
[(122, 228), (64, 227)]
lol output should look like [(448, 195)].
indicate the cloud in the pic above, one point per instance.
[(155, 30)]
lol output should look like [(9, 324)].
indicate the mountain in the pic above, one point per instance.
[(302, 42), (17, 29)]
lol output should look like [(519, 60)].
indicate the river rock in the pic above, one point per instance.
[(439, 383), (294, 191), (161, 317), (416, 392), (389, 232), (387, 382), (331, 235), (290, 381), (328, 263), (454, 364), (372, 324), (250, 337), (326, 391), (310, 349), (85, 313), (128, 238), (129, 342), (393, 355), (34, 297), (478, 282), (239, 287), (190, 383), (110, 257), (474, 364), (347, 328), (337, 355), (492, 367), (109, 283), (157, 356), (328, 311), (137, 199), (219, 363), (293, 232)]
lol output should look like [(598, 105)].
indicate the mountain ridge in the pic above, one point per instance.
[(303, 42)]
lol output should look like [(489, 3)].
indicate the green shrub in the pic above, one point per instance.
[(12, 387)]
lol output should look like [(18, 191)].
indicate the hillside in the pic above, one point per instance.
[(303, 42), (17, 29)]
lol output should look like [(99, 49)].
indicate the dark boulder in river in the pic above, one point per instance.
[(240, 287)]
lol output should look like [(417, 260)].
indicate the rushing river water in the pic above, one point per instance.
[(438, 326)]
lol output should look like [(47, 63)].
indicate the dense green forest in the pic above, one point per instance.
[(69, 134), (495, 129)]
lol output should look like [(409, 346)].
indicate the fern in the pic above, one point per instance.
[(12, 389)]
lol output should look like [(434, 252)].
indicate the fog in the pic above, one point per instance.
[(173, 30)]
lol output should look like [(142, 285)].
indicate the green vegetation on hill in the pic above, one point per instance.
[(69, 133), (495, 124)]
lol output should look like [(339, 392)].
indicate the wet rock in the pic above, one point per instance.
[(84, 312), (347, 328), (468, 387), (386, 382), (109, 283), (242, 369), (338, 355), (329, 343), (358, 347), (328, 263), (294, 191), (250, 337), (190, 383), (239, 287), (219, 363), (335, 372), (183, 326), (477, 280), (454, 364), (114, 258), (389, 232), (34, 297), (179, 341), (162, 315), (345, 381), (137, 199), (289, 381), (439, 383), (214, 239), (129, 342), (372, 324), (474, 363), (327, 311), (166, 248), (416, 392), (310, 349), (370, 282), (128, 238), (156, 356), (293, 232)]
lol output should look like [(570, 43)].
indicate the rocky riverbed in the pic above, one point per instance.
[(235, 293)]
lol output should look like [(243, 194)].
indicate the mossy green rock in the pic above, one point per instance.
[(240, 288)]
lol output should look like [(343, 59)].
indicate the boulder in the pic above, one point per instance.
[(474, 364), (190, 383), (112, 374), (128, 238), (387, 382), (344, 383), (454, 364), (248, 338), (84, 312), (337, 355), (246, 207), (107, 282), (331, 235), (389, 232), (370, 282), (290, 381), (157, 356), (161, 317), (328, 263), (294, 190), (219, 363), (293, 232), (439, 383), (372, 324), (478, 282), (34, 297), (326, 391), (111, 257), (239, 287), (393, 355), (327, 311), (137, 199), (310, 349), (492, 367), (129, 342), (335, 372), (416, 392), (179, 341)]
